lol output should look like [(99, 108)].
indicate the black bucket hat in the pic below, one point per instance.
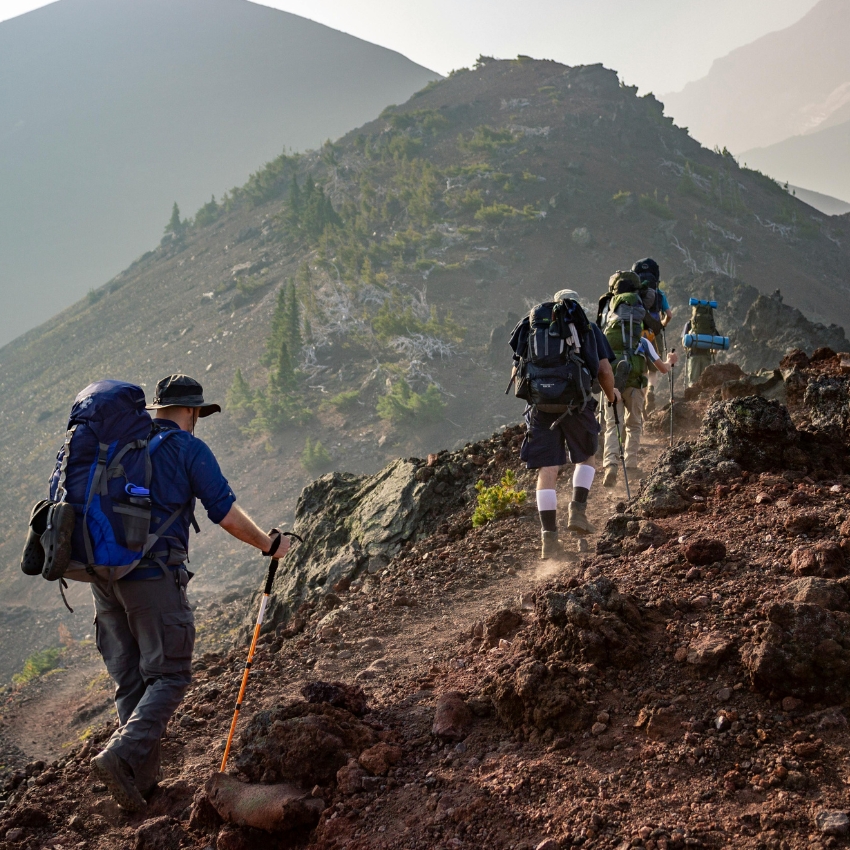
[(181, 391)]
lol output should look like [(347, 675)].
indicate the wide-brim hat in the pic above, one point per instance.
[(181, 391)]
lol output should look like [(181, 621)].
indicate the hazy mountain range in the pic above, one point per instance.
[(781, 103), (110, 110)]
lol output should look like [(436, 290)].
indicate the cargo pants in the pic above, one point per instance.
[(630, 413), (145, 633), (697, 364)]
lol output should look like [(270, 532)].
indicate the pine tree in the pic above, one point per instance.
[(293, 321), (240, 396), (174, 225), (295, 204)]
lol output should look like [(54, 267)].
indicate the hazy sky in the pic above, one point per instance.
[(658, 45)]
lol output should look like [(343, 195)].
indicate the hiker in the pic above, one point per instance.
[(701, 340), (144, 626), (658, 308), (624, 329), (569, 428)]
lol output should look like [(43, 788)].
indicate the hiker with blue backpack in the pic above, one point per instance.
[(626, 319), (701, 339), (122, 498), (558, 355)]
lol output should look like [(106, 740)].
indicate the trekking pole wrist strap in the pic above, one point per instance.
[(276, 537)]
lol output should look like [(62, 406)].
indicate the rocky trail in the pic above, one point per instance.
[(681, 684)]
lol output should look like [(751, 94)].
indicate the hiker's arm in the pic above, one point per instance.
[(664, 366), (606, 381), (666, 317), (238, 524)]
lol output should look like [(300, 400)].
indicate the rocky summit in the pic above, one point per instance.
[(426, 682)]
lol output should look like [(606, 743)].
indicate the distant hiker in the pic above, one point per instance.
[(557, 355), (144, 626), (701, 339), (626, 321), (658, 308)]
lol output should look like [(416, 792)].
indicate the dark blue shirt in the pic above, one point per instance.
[(603, 347), (185, 469)]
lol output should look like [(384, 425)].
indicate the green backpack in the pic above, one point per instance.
[(623, 330), (702, 320)]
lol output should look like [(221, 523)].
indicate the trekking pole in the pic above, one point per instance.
[(672, 382), (273, 565), (622, 453)]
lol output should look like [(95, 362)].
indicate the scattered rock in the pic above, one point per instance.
[(162, 833), (452, 717), (349, 779), (709, 649), (818, 591), (791, 703), (824, 559), (380, 758), (500, 624), (833, 823), (272, 808), (338, 694), (702, 551)]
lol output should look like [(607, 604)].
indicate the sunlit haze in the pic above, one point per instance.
[(658, 45)]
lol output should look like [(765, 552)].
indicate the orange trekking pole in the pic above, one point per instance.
[(273, 564)]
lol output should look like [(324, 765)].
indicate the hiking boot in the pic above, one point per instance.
[(578, 522), (32, 558), (552, 547), (117, 776), (56, 540), (149, 775), (610, 478)]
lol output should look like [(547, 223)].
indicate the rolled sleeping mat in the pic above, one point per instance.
[(694, 302), (706, 342)]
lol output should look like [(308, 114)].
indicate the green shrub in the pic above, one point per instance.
[(486, 139), (653, 205), (498, 500), (315, 457), (471, 200), (240, 397), (344, 401), (403, 406), (38, 664)]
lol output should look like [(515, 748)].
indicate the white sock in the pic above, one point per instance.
[(547, 500), (583, 476)]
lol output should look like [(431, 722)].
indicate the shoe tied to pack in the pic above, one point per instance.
[(56, 540), (578, 521), (117, 776), (32, 558)]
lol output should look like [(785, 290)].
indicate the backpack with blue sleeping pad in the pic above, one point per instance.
[(103, 471), (551, 370)]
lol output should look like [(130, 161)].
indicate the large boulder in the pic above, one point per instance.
[(801, 650), (346, 520)]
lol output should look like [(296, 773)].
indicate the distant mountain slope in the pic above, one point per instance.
[(819, 161), (780, 85), (110, 110), (405, 244), (825, 203)]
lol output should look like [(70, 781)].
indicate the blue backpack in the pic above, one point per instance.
[(104, 471)]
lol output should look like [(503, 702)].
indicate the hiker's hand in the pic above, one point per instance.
[(618, 399), (283, 546), (672, 358)]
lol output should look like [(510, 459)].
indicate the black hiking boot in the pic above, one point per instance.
[(552, 547), (117, 776), (149, 775), (56, 540), (32, 558)]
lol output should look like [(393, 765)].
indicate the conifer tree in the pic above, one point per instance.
[(174, 225), (239, 396)]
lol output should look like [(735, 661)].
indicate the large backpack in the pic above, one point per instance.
[(623, 330), (551, 370), (104, 471), (702, 317)]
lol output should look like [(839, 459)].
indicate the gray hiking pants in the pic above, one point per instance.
[(145, 632), (697, 364)]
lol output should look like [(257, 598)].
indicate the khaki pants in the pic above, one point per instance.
[(630, 413)]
